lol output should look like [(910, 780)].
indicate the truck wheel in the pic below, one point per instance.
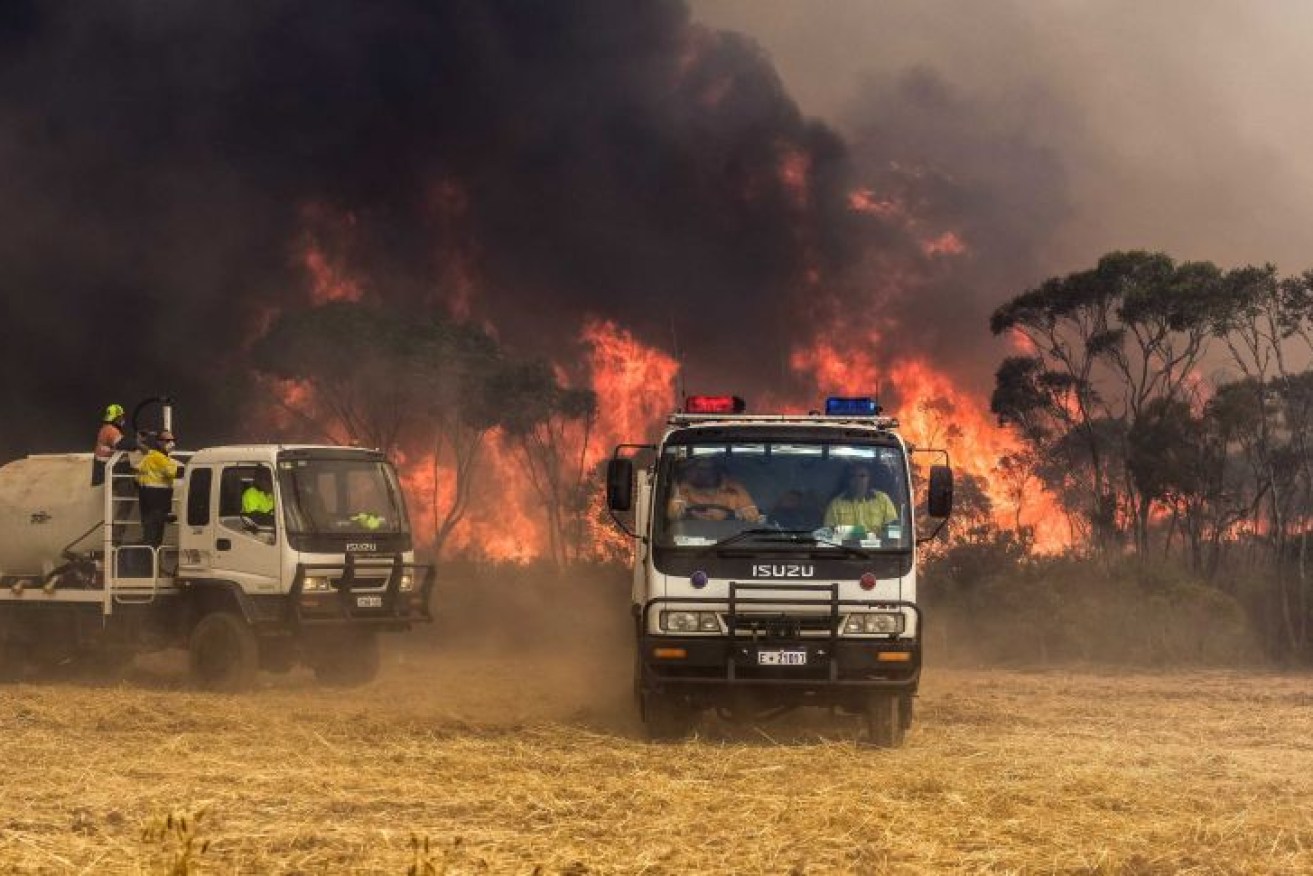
[(885, 726), (348, 661), (224, 653), (666, 718)]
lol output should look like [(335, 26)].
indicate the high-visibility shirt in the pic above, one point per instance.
[(871, 512), (156, 470), (367, 520), (257, 501), (728, 494), (107, 440)]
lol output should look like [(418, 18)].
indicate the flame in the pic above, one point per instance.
[(634, 384), (795, 172), (330, 280), (866, 201), (946, 244), (934, 412)]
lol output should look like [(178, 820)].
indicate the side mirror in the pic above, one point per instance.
[(620, 484), (939, 501)]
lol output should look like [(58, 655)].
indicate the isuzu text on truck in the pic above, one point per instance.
[(775, 596), (313, 582)]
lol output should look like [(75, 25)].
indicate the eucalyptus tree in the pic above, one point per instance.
[(1104, 344)]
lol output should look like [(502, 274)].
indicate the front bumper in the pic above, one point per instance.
[(835, 665), (358, 599)]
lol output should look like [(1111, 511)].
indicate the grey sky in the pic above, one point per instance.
[(1181, 126)]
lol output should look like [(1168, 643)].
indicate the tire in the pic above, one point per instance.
[(885, 725), (224, 653), (349, 660), (666, 718)]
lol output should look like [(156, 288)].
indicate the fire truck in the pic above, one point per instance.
[(761, 581), (313, 582)]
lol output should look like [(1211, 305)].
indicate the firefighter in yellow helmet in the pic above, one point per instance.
[(109, 439)]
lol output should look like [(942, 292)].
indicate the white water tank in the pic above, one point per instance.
[(47, 506)]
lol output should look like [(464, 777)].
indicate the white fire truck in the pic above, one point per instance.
[(777, 594), (313, 582)]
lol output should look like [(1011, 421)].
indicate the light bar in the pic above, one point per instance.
[(863, 406), (714, 404)]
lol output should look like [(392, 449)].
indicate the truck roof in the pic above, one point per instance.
[(237, 452), (681, 420)]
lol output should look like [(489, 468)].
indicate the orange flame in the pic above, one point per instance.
[(934, 412), (330, 279)]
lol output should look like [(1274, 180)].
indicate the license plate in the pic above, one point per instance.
[(369, 602), (781, 658)]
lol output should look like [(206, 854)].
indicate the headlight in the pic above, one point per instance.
[(407, 582), (690, 622), (874, 623), (316, 584)]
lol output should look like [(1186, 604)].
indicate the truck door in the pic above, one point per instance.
[(245, 547)]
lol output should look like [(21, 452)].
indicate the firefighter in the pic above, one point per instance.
[(367, 520), (258, 498), (155, 477), (110, 438), (705, 492), (860, 504)]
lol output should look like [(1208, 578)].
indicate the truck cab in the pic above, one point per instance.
[(775, 565), (324, 565)]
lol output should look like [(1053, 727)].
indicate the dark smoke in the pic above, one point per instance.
[(976, 167), (159, 157)]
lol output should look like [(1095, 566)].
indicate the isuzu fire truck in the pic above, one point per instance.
[(757, 609), (314, 582)]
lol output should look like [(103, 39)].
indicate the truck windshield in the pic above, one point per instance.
[(341, 496), (838, 495)]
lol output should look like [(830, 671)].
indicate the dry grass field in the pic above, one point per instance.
[(533, 762)]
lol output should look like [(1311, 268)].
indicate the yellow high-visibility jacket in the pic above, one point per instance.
[(156, 470)]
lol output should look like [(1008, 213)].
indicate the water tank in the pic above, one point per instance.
[(47, 505)]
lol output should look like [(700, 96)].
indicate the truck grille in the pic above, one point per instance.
[(778, 625)]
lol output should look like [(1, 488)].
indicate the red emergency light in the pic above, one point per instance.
[(714, 404)]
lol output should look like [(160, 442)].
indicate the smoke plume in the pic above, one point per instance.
[(165, 162)]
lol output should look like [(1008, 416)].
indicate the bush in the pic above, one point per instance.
[(1068, 609)]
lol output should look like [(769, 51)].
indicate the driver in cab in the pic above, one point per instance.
[(258, 498), (705, 492)]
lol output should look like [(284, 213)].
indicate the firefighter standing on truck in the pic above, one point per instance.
[(109, 439), (155, 477)]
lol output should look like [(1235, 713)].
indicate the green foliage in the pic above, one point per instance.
[(1050, 610)]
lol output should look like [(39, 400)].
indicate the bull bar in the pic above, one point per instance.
[(733, 648), (396, 608)]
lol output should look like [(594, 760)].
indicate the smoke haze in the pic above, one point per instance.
[(1174, 125), (689, 174)]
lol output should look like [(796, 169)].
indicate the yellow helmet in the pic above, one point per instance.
[(113, 412)]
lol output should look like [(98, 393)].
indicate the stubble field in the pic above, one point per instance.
[(532, 762)]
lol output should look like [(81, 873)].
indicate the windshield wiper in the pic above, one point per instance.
[(741, 535), (771, 535)]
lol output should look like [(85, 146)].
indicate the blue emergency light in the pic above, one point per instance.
[(864, 406)]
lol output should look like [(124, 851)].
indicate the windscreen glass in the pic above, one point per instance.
[(341, 496), (840, 495)]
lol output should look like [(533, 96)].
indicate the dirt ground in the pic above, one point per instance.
[(509, 756)]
